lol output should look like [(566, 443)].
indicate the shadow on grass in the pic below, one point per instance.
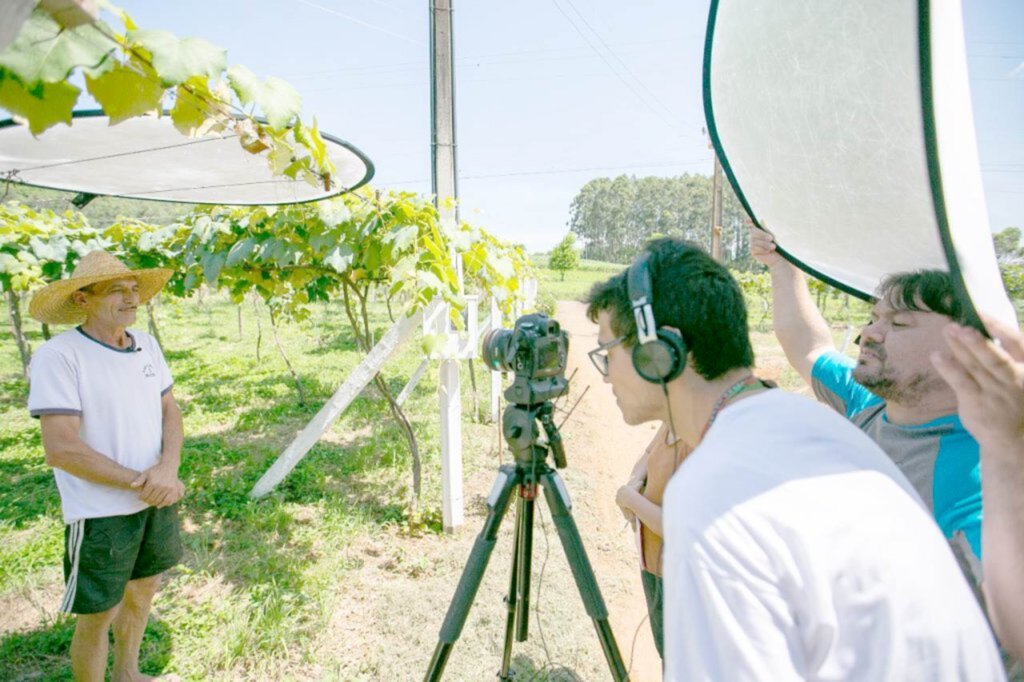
[(43, 654)]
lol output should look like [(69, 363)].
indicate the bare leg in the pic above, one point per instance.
[(90, 644), (129, 625)]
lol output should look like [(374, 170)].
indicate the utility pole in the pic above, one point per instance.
[(716, 211), (444, 184)]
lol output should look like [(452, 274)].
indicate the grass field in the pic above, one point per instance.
[(258, 594), (576, 283)]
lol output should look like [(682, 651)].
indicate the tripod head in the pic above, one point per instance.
[(519, 424)]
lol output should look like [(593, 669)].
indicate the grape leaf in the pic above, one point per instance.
[(45, 51), (124, 93), (246, 85), (52, 108), (403, 236), (189, 114), (333, 212), (339, 258), (278, 100), (179, 59), (240, 251)]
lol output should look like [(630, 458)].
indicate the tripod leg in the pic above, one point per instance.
[(469, 583), (512, 599), (558, 501), (524, 559)]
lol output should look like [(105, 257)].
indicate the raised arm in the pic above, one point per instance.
[(989, 384), (799, 326)]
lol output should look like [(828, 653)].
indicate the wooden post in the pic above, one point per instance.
[(716, 211)]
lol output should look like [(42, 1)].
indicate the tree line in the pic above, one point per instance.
[(615, 217)]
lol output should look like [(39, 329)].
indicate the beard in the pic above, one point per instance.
[(886, 383)]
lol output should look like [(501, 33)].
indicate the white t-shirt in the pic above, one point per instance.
[(117, 393), (795, 550)]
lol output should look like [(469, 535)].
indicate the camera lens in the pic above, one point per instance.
[(495, 350)]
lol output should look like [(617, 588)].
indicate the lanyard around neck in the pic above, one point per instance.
[(744, 385)]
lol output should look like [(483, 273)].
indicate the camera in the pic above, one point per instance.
[(536, 350)]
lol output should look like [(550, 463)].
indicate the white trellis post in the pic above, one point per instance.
[(530, 294), (456, 348), (495, 376), (339, 402), (450, 404)]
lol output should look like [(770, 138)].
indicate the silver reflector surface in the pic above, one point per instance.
[(147, 158), (846, 130)]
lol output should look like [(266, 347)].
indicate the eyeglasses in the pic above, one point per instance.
[(599, 356)]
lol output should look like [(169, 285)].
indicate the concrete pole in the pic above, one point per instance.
[(445, 186)]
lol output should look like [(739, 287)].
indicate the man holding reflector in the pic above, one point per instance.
[(892, 391)]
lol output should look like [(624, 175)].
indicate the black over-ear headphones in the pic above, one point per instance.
[(659, 355)]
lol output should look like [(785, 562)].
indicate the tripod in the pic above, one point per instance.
[(530, 470)]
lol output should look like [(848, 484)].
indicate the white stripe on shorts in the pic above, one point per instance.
[(76, 531)]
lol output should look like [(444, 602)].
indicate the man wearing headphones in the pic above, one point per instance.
[(794, 548)]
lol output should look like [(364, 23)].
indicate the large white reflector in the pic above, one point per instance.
[(846, 130), (147, 158)]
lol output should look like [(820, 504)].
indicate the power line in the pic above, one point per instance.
[(625, 67), (361, 22), (618, 75), (468, 60)]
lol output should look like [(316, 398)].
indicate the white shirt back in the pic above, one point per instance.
[(117, 394), (795, 550)]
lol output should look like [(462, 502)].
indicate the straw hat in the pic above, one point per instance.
[(53, 305)]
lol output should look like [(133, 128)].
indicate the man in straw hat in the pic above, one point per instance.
[(112, 432)]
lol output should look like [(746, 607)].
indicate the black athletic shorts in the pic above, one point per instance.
[(102, 555)]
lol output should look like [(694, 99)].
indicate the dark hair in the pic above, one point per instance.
[(692, 293), (928, 291)]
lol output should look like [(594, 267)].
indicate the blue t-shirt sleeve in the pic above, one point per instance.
[(833, 384), (956, 488)]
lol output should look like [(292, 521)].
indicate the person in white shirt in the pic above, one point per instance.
[(112, 432), (794, 548)]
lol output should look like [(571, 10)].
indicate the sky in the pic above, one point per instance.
[(549, 93)]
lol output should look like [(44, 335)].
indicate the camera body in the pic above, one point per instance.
[(536, 351)]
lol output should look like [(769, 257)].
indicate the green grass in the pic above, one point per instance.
[(254, 589), (576, 283)]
